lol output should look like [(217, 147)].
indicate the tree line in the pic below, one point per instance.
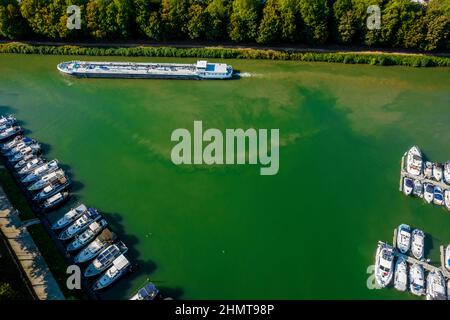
[(404, 24)]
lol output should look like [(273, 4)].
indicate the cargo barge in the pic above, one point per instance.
[(199, 71)]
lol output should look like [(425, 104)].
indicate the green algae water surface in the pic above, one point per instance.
[(308, 232)]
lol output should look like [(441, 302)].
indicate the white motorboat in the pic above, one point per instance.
[(418, 189), (88, 235), (11, 144), (428, 194), (447, 199), (428, 169), (54, 201), (7, 120), (103, 240), (447, 257), (25, 142), (436, 289), (417, 280), (105, 259), (438, 196), (417, 245), (408, 186), (384, 265), (414, 161), (147, 292), (52, 189), (403, 238), (31, 149), (72, 215), (119, 267), (401, 275), (52, 177), (40, 171), (447, 172), (29, 165), (90, 215), (437, 171), (10, 132)]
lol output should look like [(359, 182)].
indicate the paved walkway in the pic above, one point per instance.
[(27, 253)]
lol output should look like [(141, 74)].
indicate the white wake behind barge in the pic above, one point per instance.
[(201, 70)]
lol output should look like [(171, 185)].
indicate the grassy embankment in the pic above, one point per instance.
[(371, 58), (54, 260)]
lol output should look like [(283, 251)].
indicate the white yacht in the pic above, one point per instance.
[(54, 201), (437, 171), (25, 166), (428, 194), (447, 172), (428, 169), (417, 245), (105, 259), (31, 149), (384, 265), (447, 199), (47, 179), (147, 292), (438, 196), (408, 186), (417, 280), (40, 171), (414, 161), (201, 70), (119, 267), (403, 238), (418, 188), (10, 132), (447, 257), (72, 215), (11, 144), (9, 119), (401, 275), (436, 289), (80, 224), (88, 235), (103, 240)]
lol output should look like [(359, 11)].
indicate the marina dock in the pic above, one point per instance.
[(421, 178)]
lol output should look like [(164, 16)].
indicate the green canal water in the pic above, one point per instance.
[(309, 232)]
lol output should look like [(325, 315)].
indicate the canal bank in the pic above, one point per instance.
[(27, 253)]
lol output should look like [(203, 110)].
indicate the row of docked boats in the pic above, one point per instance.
[(44, 183), (419, 182), (93, 245), (392, 266)]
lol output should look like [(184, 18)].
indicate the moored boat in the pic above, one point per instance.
[(33, 149), (404, 238), (105, 259), (147, 292), (104, 239), (438, 196), (414, 161), (437, 171), (12, 143), (88, 235), (401, 275), (52, 177), (417, 279), (40, 171), (52, 189), (447, 172), (417, 244), (408, 186), (29, 165), (384, 265), (69, 217), (428, 169), (418, 189), (428, 194), (447, 257), (54, 201), (25, 142), (119, 267), (10, 132), (80, 224), (8, 120), (436, 289), (447, 199)]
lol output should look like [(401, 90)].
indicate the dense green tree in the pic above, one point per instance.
[(315, 20), (197, 21), (109, 19), (147, 18), (216, 19), (437, 20), (12, 25), (174, 17), (270, 27), (244, 20), (290, 20)]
